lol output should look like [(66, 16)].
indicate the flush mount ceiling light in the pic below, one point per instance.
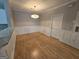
[(34, 16)]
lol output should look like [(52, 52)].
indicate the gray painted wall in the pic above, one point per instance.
[(25, 24), (66, 33), (63, 32), (70, 16), (24, 19)]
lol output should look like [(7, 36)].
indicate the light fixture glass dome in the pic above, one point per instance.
[(34, 16)]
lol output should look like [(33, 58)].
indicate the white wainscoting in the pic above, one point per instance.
[(27, 29), (68, 37), (75, 39), (57, 33), (45, 30), (10, 48)]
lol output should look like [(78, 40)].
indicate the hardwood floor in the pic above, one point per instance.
[(39, 46)]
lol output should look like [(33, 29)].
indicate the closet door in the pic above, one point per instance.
[(57, 26)]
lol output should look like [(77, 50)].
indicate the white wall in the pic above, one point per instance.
[(68, 37), (60, 22), (27, 29), (10, 48), (25, 24), (51, 25), (24, 19)]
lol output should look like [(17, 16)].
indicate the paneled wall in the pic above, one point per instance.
[(25, 24), (27, 29), (57, 23), (45, 24), (10, 48), (52, 25), (61, 25)]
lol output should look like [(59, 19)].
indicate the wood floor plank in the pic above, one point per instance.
[(40, 46)]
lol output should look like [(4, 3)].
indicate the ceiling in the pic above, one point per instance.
[(36, 5)]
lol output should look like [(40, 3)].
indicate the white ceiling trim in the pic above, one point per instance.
[(62, 5)]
